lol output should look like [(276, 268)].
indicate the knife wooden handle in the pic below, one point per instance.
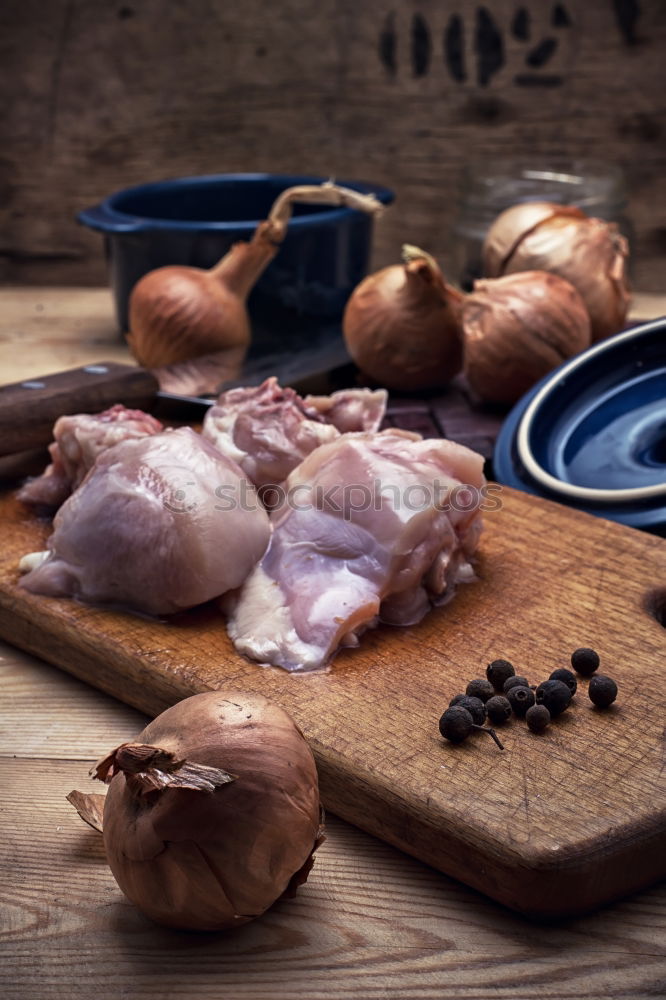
[(29, 409)]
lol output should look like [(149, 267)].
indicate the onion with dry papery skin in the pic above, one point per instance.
[(213, 813), (517, 329), (177, 313), (588, 252), (402, 324)]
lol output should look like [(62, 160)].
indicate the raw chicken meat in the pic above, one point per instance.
[(158, 525), (78, 440), (268, 430), (350, 409), (372, 527)]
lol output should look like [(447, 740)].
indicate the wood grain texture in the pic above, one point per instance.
[(98, 97), (556, 824), (369, 923), (29, 409)]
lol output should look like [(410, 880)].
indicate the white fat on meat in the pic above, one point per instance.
[(78, 439), (159, 525), (374, 527), (269, 430)]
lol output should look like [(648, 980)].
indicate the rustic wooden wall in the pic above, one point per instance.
[(97, 95)]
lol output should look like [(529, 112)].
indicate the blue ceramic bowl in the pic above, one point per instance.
[(592, 434), (195, 220)]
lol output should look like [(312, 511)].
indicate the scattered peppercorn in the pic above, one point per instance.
[(474, 706), (520, 698), (537, 718), (499, 671), (480, 688), (567, 677), (456, 698), (585, 661), (456, 724), (602, 690), (515, 682), (555, 695), (498, 708)]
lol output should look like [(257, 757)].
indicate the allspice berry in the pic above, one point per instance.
[(602, 690), (516, 681), (567, 677), (585, 661), (537, 718), (456, 724), (499, 709), (498, 672), (520, 698), (480, 688), (474, 706), (555, 695)]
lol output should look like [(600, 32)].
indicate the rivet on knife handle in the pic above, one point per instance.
[(29, 409)]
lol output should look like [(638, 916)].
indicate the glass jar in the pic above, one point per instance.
[(487, 188)]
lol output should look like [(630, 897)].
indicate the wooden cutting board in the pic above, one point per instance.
[(555, 824)]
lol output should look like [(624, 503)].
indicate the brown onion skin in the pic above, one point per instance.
[(588, 252), (517, 329), (403, 330), (512, 225), (212, 861), (177, 313)]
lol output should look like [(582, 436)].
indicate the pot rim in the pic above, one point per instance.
[(105, 217)]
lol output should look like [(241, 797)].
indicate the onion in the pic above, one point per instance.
[(213, 813), (402, 324), (588, 252), (177, 312), (517, 329)]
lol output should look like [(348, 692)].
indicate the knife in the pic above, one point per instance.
[(29, 409)]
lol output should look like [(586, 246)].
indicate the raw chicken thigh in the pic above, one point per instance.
[(269, 430), (79, 439), (373, 527), (159, 524)]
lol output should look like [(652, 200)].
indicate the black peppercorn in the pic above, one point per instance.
[(585, 661), (515, 682), (456, 724), (499, 671), (602, 690), (480, 688), (474, 706), (555, 695), (566, 676), (520, 698), (498, 708), (537, 718)]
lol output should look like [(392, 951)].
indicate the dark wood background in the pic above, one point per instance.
[(95, 96)]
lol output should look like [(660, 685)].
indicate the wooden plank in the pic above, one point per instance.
[(556, 824), (368, 923), (404, 94)]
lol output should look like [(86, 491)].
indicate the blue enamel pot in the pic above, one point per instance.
[(195, 220)]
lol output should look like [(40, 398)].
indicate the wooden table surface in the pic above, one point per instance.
[(370, 922)]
